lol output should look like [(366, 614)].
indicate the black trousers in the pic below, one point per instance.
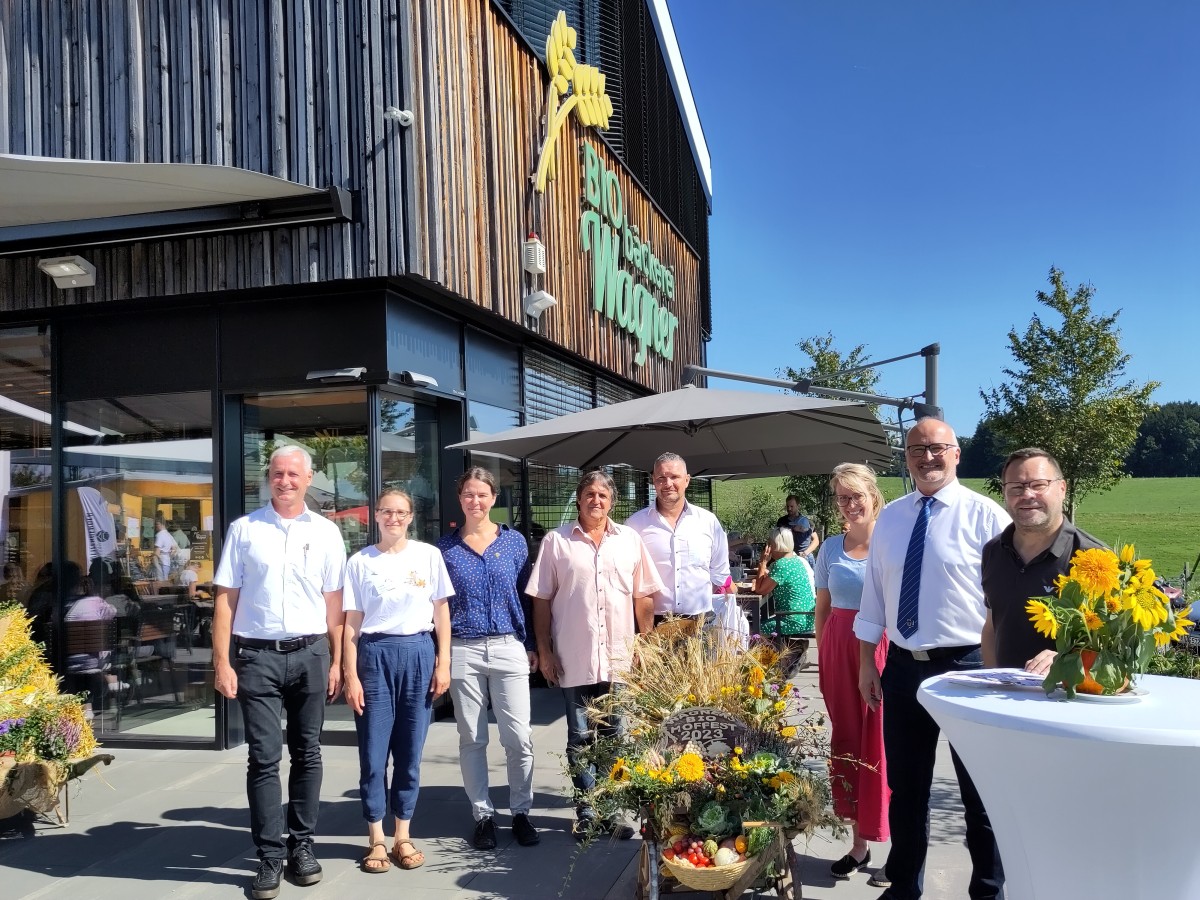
[(910, 737), (270, 684)]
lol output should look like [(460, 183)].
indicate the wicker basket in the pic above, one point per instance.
[(716, 878)]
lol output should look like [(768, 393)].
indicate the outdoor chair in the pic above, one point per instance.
[(92, 653), (155, 648)]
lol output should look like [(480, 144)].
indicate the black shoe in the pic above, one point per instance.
[(618, 831), (265, 885), (523, 831), (880, 878), (303, 866), (848, 865), (485, 834), (583, 828)]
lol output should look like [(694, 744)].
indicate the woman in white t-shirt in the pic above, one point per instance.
[(395, 601)]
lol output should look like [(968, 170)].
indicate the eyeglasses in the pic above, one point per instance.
[(1018, 488), (394, 513), (916, 451), (847, 499)]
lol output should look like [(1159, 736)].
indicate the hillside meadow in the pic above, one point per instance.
[(1160, 515)]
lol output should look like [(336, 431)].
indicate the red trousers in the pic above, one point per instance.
[(858, 774)]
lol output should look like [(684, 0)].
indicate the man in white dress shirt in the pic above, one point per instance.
[(279, 602), (923, 587), (687, 544)]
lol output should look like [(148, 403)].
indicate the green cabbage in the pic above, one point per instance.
[(714, 819)]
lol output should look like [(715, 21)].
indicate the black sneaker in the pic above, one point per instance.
[(523, 831), (303, 866), (265, 885), (485, 834), (848, 865)]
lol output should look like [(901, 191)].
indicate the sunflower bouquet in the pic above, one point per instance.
[(1107, 620), (711, 737)]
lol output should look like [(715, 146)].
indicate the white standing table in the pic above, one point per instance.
[(1088, 799)]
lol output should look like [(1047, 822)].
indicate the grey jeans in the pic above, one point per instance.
[(494, 668)]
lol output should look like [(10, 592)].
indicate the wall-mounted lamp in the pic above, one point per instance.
[(69, 271), (337, 376), (538, 302)]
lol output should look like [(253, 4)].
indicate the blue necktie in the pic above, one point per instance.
[(907, 617)]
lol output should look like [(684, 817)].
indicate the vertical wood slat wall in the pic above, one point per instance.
[(291, 88), (478, 131), (298, 89)]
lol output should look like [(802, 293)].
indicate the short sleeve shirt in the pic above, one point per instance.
[(591, 591), (396, 592), (839, 574), (1009, 582), (487, 586), (282, 569)]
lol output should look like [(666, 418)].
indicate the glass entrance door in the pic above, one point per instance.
[(333, 426)]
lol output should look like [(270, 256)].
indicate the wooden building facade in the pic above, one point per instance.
[(226, 225)]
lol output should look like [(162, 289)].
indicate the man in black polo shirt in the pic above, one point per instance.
[(1024, 560)]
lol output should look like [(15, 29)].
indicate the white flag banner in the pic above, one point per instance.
[(100, 530)]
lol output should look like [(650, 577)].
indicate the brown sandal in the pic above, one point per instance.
[(373, 865), (407, 860)]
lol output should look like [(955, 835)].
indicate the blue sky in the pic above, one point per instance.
[(907, 173)]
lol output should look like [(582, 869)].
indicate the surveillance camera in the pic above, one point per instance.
[(403, 116), (416, 379)]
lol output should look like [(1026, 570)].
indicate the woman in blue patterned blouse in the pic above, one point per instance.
[(491, 655)]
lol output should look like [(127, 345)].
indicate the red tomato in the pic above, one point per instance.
[(669, 853)]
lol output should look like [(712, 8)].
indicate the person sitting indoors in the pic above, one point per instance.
[(789, 581)]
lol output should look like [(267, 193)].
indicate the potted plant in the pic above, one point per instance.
[(45, 739), (1107, 620)]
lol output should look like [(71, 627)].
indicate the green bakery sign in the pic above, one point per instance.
[(627, 278)]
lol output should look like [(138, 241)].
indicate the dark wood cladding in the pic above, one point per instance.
[(479, 101), (298, 89), (275, 86)]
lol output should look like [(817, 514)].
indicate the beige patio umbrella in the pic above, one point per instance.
[(716, 431)]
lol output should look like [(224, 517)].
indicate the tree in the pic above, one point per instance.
[(1067, 392), (982, 454), (827, 362), (1168, 443)]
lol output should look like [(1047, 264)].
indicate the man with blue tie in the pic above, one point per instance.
[(923, 587)]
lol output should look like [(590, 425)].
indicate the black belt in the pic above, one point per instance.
[(286, 645), (935, 652)]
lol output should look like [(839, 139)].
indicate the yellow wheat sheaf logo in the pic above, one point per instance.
[(582, 86)]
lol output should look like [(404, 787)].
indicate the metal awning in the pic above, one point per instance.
[(48, 203)]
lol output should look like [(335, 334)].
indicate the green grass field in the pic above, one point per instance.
[(1160, 515)]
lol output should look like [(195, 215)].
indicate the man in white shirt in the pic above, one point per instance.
[(687, 544), (165, 549), (279, 602), (923, 586)]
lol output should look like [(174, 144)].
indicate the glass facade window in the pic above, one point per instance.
[(509, 509), (332, 427), (137, 523), (409, 451), (25, 473)]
